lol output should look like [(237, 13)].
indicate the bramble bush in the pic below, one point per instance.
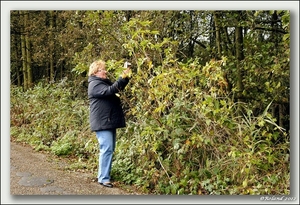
[(185, 133), (52, 118)]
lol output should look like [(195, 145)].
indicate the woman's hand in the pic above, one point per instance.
[(126, 73)]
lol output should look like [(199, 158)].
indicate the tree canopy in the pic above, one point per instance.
[(209, 88)]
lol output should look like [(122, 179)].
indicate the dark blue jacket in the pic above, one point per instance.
[(105, 107)]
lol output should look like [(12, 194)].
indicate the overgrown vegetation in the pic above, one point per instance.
[(195, 124), (49, 117), (183, 136)]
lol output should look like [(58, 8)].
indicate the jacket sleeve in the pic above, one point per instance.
[(103, 89)]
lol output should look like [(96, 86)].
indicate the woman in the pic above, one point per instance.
[(106, 114)]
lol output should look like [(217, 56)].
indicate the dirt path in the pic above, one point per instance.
[(35, 173)]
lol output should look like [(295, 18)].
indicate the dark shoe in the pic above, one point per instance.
[(107, 184)]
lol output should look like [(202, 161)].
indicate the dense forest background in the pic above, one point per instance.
[(207, 106)]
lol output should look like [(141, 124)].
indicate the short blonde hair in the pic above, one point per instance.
[(95, 66)]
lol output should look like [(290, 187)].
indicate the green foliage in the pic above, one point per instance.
[(186, 132), (82, 59), (50, 118), (185, 135)]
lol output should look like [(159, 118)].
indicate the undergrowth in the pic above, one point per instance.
[(196, 143)]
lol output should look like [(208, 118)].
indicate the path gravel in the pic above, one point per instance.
[(36, 173)]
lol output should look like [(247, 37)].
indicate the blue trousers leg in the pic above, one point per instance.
[(107, 143)]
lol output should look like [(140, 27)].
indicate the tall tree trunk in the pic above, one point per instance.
[(239, 56), (227, 42), (19, 65), (51, 46), (23, 47), (275, 38), (191, 41), (28, 53), (15, 64), (218, 34)]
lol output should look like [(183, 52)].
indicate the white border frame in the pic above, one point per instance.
[(6, 6)]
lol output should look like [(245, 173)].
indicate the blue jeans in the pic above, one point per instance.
[(107, 144)]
